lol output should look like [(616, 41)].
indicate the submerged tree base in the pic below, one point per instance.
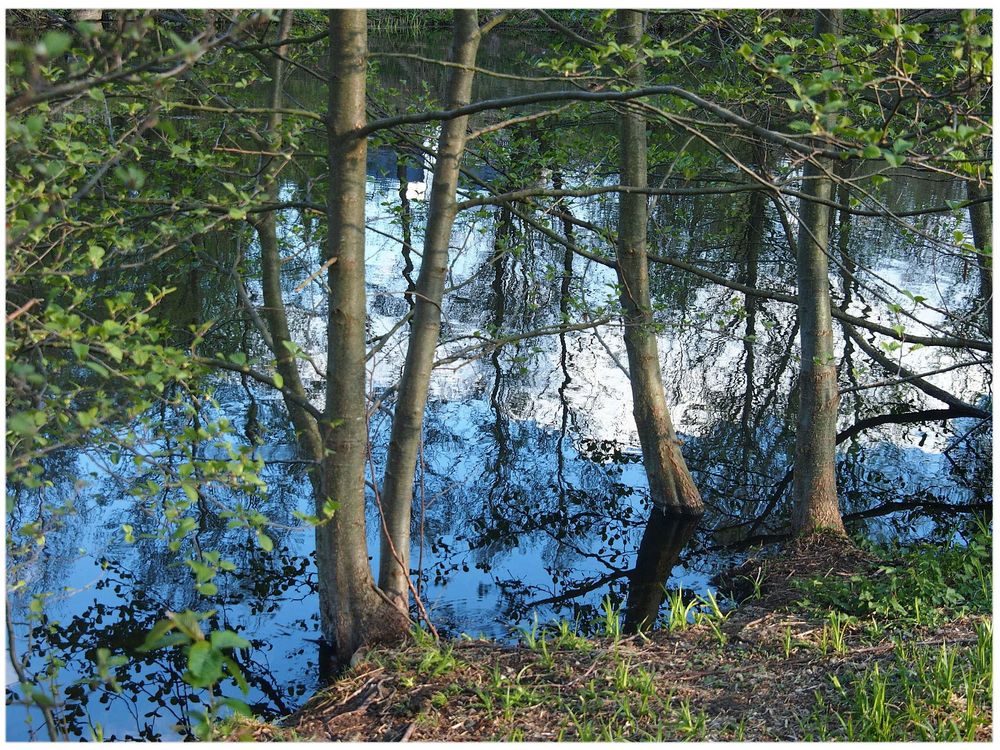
[(830, 642)]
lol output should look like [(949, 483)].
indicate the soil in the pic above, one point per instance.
[(752, 687)]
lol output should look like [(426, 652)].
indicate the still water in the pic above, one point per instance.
[(531, 497)]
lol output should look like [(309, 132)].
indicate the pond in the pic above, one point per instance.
[(531, 500)]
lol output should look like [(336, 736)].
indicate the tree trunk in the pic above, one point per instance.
[(815, 447), (981, 214), (352, 611), (981, 217), (670, 485), (306, 429), (407, 422)]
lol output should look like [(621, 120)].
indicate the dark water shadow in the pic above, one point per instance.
[(659, 551)]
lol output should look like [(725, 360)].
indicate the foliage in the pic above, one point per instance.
[(923, 693), (137, 167), (208, 659), (95, 372), (922, 584)]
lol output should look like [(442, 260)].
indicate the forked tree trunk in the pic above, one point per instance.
[(408, 417), (306, 429), (352, 611), (670, 484), (816, 504)]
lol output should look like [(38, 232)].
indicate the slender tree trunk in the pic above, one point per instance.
[(352, 611), (670, 484), (815, 448), (407, 422), (306, 429), (981, 216)]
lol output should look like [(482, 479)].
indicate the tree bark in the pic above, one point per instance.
[(306, 429), (407, 422), (816, 504), (981, 217), (671, 487), (352, 611), (981, 214)]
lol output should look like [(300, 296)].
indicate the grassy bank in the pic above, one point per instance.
[(829, 642)]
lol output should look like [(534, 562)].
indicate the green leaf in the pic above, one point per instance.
[(205, 663), (278, 380), (154, 639), (54, 43), (228, 639), (202, 573), (234, 669), (207, 589), (872, 152), (901, 144), (21, 424), (187, 621), (95, 254), (80, 350), (34, 124), (98, 368), (894, 160), (264, 541), (38, 696), (236, 213), (238, 706), (114, 351)]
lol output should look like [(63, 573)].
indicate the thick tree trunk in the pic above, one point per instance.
[(670, 485), (352, 611), (306, 429), (407, 422), (815, 447)]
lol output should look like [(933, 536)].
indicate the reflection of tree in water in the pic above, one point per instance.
[(122, 589), (125, 608), (517, 465), (659, 551)]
